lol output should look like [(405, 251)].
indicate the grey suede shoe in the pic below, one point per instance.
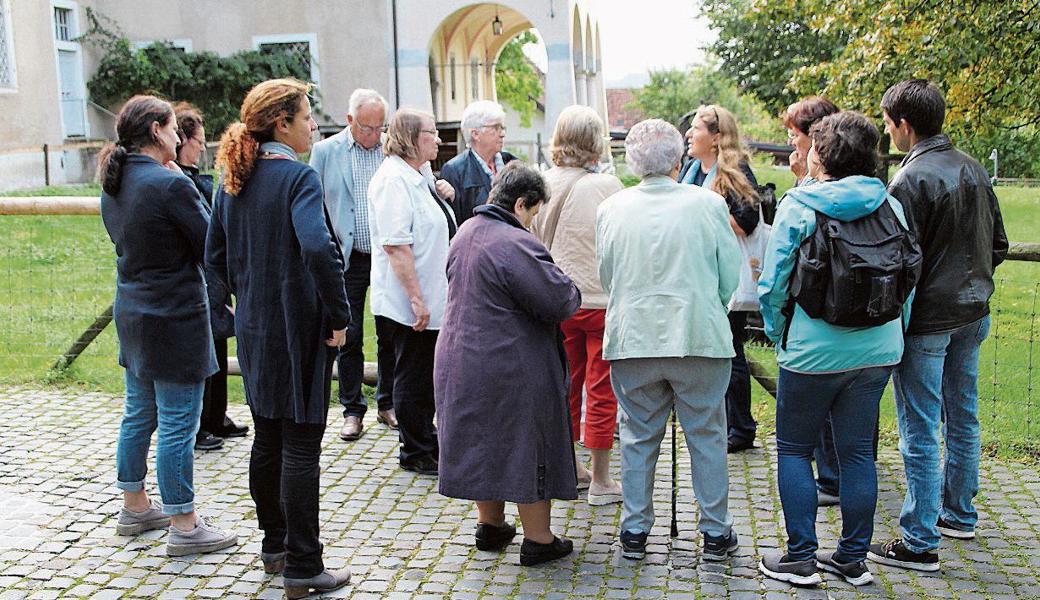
[(200, 540), (133, 523), (326, 581)]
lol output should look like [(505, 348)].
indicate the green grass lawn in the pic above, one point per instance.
[(58, 273)]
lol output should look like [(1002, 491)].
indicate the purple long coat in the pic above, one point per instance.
[(500, 375)]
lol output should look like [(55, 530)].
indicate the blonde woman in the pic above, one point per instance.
[(720, 163), (567, 227)]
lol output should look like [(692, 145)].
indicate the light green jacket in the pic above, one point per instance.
[(669, 262)]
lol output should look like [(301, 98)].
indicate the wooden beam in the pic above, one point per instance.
[(50, 205), (369, 378), (1024, 251)]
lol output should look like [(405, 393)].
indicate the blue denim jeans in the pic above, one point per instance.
[(937, 384), (173, 408), (803, 403)]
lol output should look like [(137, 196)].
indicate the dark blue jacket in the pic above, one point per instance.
[(158, 223), (470, 181), (221, 320), (273, 246)]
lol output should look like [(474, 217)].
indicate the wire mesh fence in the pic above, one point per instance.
[(57, 276)]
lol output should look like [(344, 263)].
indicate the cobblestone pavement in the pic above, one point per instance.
[(403, 540)]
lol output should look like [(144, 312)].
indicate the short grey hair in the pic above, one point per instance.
[(478, 114), (653, 147), (362, 97)]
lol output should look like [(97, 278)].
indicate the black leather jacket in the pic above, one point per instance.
[(955, 215)]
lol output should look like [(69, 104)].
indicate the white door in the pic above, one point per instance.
[(73, 106)]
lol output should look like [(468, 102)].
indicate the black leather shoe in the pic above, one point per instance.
[(426, 465), (494, 537), (232, 430), (732, 447), (532, 553), (205, 440)]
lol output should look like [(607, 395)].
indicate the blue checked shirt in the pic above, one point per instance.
[(365, 163)]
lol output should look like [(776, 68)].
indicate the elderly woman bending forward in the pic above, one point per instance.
[(500, 375), (568, 229), (669, 263)]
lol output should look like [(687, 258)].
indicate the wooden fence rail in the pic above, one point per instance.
[(80, 205)]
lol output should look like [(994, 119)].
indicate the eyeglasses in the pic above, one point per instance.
[(201, 141), (370, 130), (496, 127)]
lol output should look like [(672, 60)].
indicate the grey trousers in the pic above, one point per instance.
[(646, 389)]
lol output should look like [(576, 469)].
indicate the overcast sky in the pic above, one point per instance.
[(641, 34)]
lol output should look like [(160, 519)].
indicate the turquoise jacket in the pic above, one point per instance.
[(813, 345), (669, 262)]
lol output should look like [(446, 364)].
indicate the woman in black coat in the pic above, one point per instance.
[(214, 424), (157, 221), (270, 241)]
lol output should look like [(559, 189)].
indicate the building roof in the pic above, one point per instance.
[(621, 116)]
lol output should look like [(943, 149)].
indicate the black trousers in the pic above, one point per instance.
[(284, 475), (413, 387), (283, 481), (214, 397), (740, 422), (351, 359)]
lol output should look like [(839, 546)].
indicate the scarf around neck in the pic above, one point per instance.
[(273, 147)]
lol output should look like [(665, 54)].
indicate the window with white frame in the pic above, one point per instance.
[(182, 44), (302, 47), (7, 64), (63, 24), (474, 72)]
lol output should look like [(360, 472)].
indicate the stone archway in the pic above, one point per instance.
[(420, 23)]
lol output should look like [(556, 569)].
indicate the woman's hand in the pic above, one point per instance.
[(339, 337), (445, 190), (798, 166), (173, 166), (422, 314)]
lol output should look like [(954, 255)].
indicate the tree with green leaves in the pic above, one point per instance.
[(215, 84), (672, 93), (761, 44), (984, 55), (517, 81)]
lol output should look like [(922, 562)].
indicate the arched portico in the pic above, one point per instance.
[(446, 49)]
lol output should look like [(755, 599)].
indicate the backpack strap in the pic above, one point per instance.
[(788, 312)]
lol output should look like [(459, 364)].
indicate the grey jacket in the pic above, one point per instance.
[(332, 159)]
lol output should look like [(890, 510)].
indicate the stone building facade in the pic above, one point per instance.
[(437, 56)]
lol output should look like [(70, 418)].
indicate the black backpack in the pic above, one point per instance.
[(855, 273)]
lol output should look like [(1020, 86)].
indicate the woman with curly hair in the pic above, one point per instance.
[(270, 241), (720, 163)]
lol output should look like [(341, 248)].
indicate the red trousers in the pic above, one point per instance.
[(583, 341)]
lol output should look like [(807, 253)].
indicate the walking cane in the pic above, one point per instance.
[(675, 476)]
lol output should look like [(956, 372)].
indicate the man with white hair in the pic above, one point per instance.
[(346, 163), (669, 262), (483, 128)]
